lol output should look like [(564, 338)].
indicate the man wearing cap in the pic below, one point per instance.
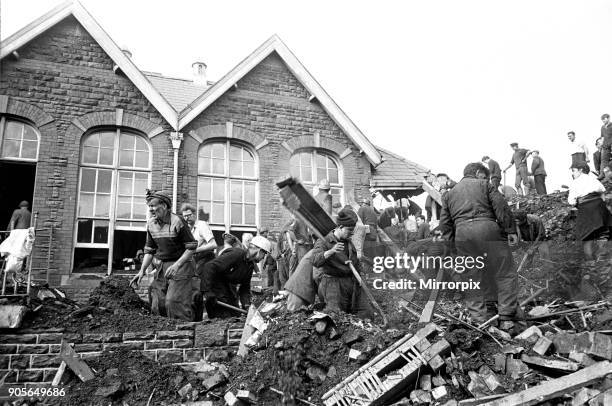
[(369, 218), (538, 172), (578, 149), (268, 265), (170, 241), (338, 287), (21, 217), (477, 218), (324, 198), (519, 159), (494, 169), (234, 267)]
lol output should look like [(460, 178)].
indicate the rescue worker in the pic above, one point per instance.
[(422, 228), (530, 227), (171, 243), (234, 267), (21, 217), (397, 232), (303, 239), (369, 218), (268, 264), (229, 241), (578, 149), (593, 220), (494, 170), (475, 215), (324, 198), (538, 172), (519, 160), (338, 287), (606, 143), (597, 156)]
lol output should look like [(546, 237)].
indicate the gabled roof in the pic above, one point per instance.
[(178, 92), (397, 172), (74, 8), (274, 44)]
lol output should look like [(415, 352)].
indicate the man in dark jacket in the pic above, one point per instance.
[(234, 267), (21, 218), (519, 160), (324, 198), (606, 134), (338, 286), (597, 155), (530, 226), (475, 215), (538, 172), (369, 218), (494, 170)]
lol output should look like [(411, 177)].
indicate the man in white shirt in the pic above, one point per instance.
[(578, 149), (202, 234)]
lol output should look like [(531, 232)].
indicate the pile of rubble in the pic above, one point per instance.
[(554, 211)]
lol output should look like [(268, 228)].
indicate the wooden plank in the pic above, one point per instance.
[(556, 387), (77, 365), (247, 332), (58, 375), (435, 194), (550, 363), (428, 311)]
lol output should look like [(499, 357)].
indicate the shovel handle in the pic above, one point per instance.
[(365, 289), (227, 306)]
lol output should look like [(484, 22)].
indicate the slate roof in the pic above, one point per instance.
[(397, 172), (178, 92)]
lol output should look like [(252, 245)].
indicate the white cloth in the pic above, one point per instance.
[(201, 232), (578, 146), (17, 247), (582, 186)]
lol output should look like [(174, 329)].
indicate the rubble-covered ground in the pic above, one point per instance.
[(555, 212)]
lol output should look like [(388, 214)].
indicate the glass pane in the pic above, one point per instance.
[(236, 195), (90, 155), (139, 210), (106, 156), (235, 168), (88, 180), (125, 183), (100, 231), (102, 205), (205, 151), (321, 161), (30, 134), (126, 158), (204, 189), (333, 176), (235, 153), (306, 159), (249, 192), (126, 141), (236, 214), (249, 169), (86, 205), (141, 183), (13, 130), (142, 159), (219, 190), (218, 167), (204, 205), (141, 145), (84, 230), (321, 174), (249, 214), (217, 213), (124, 208), (204, 165), (29, 149), (92, 140), (107, 140), (247, 156), (10, 148), (218, 151), (104, 181)]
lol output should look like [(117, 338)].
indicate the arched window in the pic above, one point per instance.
[(19, 140), (115, 170), (312, 166), (227, 185)]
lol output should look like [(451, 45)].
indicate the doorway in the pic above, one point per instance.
[(17, 185)]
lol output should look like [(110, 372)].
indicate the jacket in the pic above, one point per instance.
[(606, 133), (472, 199), (233, 267), (537, 166), (334, 265), (495, 169)]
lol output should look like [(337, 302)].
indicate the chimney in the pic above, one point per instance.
[(127, 53), (199, 73)]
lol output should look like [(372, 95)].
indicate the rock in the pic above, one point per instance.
[(112, 372), (491, 380), (581, 358), (279, 345), (425, 382), (331, 372), (499, 333), (542, 345), (500, 363), (419, 396), (531, 335), (352, 337), (321, 326), (315, 373), (246, 396), (185, 390), (515, 368), (218, 356), (232, 400), (477, 386), (439, 392), (583, 396), (354, 354), (333, 333), (437, 380), (539, 311), (114, 389), (214, 381)]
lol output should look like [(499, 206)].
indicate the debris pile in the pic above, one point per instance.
[(554, 211)]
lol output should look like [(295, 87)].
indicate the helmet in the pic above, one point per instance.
[(324, 184), (262, 243)]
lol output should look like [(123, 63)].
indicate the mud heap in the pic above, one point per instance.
[(554, 210)]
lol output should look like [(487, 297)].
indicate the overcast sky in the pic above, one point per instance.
[(440, 82)]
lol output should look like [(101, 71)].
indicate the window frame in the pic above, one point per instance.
[(115, 169), (4, 120), (313, 184), (227, 178)]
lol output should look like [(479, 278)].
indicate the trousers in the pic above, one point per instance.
[(175, 297), (344, 294), (521, 176), (540, 184)]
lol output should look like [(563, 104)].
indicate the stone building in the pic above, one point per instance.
[(83, 132)]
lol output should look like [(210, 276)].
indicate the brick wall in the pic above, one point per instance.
[(66, 75), (269, 104), (33, 357)]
